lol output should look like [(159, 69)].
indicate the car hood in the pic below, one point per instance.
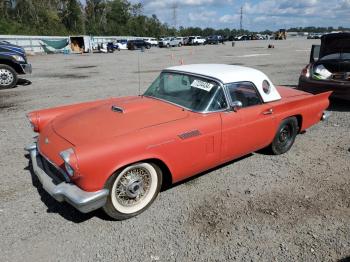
[(334, 43), (101, 122), (10, 49)]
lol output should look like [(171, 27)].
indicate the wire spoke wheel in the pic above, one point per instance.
[(133, 190)]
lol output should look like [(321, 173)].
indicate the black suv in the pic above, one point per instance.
[(13, 62), (138, 44)]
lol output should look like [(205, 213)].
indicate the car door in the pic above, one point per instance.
[(250, 128)]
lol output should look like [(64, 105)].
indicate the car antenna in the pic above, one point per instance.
[(138, 66)]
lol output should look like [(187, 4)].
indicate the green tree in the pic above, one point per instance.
[(72, 16)]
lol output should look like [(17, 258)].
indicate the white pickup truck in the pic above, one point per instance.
[(196, 40), (152, 41), (169, 41)]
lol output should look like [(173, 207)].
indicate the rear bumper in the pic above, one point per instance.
[(83, 201), (340, 90)]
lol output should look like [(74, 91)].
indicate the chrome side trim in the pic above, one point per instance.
[(82, 200), (189, 134)]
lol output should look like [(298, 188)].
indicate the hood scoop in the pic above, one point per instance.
[(117, 109)]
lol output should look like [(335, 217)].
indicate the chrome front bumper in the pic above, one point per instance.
[(27, 68), (82, 200), (325, 116)]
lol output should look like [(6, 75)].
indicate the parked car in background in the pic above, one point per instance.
[(242, 38), (181, 39), (214, 40), (314, 36), (13, 62), (329, 67), (169, 42), (138, 44), (196, 40), (152, 41), (121, 44), (116, 153)]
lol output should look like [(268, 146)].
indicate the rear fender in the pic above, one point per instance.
[(309, 107)]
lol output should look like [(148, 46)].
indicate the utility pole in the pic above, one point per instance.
[(241, 20), (174, 7)]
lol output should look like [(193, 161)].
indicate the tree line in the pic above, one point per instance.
[(98, 17)]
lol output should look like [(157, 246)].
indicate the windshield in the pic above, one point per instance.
[(191, 92)]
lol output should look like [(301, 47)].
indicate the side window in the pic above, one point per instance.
[(244, 92)]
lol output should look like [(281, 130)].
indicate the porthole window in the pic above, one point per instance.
[(266, 87)]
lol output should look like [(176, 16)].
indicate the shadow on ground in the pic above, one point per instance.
[(23, 82)]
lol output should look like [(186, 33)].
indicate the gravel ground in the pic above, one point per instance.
[(293, 207)]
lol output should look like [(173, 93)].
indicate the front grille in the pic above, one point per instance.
[(52, 171)]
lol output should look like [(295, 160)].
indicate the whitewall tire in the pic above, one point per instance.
[(132, 190)]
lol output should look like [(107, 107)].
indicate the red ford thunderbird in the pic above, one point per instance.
[(115, 153)]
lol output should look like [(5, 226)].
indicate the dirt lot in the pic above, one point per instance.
[(294, 207)]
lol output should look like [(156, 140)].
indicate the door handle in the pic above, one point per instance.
[(268, 112)]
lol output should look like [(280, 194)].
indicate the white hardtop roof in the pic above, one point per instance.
[(230, 74)]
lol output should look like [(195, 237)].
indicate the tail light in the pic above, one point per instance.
[(306, 71)]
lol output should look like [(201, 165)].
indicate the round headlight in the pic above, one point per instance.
[(70, 161), (69, 169)]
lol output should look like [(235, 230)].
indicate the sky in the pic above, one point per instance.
[(258, 15)]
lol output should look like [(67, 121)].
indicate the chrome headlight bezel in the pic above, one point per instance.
[(18, 58), (66, 155)]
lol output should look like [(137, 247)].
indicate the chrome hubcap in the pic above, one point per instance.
[(6, 77), (133, 186)]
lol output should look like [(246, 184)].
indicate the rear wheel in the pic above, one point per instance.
[(8, 77), (285, 136), (132, 190)]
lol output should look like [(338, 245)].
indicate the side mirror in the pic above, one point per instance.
[(315, 53), (236, 105)]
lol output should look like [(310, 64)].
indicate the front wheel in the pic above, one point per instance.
[(285, 136), (8, 77), (132, 190)]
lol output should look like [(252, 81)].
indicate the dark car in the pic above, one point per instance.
[(138, 44), (13, 62), (214, 39), (329, 67)]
